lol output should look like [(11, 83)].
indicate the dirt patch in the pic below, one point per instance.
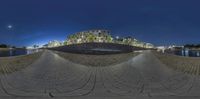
[(12, 64), (189, 65), (97, 60)]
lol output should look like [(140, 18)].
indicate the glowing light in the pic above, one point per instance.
[(10, 26), (117, 37)]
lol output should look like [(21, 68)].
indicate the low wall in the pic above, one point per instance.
[(97, 60), (86, 48)]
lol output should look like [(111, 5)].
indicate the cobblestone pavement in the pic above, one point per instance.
[(141, 77)]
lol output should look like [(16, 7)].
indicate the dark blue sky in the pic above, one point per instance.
[(161, 22)]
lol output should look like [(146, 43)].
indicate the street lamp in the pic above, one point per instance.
[(117, 37)]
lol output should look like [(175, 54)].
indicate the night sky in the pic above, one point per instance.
[(161, 22)]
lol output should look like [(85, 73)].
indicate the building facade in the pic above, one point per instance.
[(54, 43), (149, 45), (90, 36), (104, 36)]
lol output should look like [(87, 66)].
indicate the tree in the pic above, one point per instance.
[(91, 38), (65, 43), (45, 45), (13, 46), (3, 46), (109, 38), (24, 47), (192, 46), (35, 46)]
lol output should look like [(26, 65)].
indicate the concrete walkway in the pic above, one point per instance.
[(143, 76)]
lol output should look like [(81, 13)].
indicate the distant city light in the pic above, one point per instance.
[(117, 37)]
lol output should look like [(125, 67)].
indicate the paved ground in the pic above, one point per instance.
[(143, 76)]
